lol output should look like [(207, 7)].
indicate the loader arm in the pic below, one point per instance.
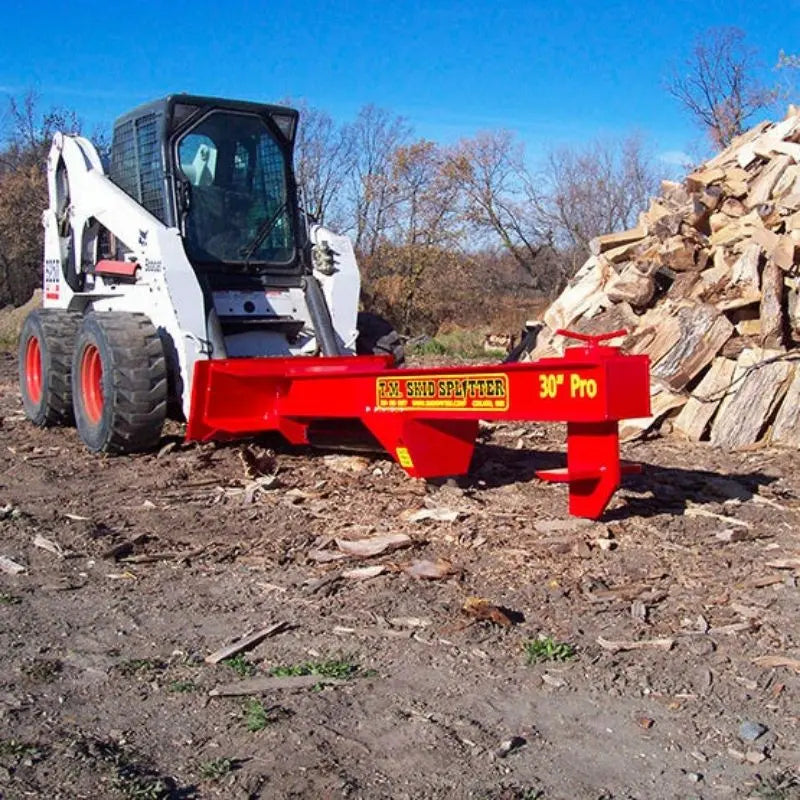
[(159, 281)]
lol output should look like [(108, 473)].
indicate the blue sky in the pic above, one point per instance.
[(553, 72)]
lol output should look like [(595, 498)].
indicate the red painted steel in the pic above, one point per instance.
[(122, 269), (427, 419)]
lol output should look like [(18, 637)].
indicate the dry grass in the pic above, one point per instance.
[(11, 320)]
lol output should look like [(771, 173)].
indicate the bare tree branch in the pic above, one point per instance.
[(718, 85)]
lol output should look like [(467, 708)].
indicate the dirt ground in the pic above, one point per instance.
[(636, 665)]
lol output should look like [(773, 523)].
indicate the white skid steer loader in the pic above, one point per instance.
[(192, 246)]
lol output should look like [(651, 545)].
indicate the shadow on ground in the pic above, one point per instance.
[(662, 489)]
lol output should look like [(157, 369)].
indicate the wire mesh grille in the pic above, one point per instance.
[(136, 162), (270, 172)]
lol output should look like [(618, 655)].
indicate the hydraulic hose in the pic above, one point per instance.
[(321, 317)]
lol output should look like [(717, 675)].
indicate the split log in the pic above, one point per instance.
[(758, 386), (701, 178), (705, 400), (792, 291), (746, 320), (618, 255), (786, 182), (584, 293), (682, 286), (703, 331), (608, 241), (766, 148), (745, 269), (678, 254), (657, 334), (662, 401), (667, 226), (771, 308), (618, 317), (733, 207), (631, 287), (739, 141), (674, 193), (655, 212), (784, 254), (786, 430), (762, 186)]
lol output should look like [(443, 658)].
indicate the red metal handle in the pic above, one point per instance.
[(592, 339)]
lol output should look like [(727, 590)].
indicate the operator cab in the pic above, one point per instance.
[(221, 172)]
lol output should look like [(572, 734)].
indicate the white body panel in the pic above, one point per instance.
[(165, 287)]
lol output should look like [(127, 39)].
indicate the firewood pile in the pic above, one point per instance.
[(707, 284)]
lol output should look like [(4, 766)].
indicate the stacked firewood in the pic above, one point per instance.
[(708, 284)]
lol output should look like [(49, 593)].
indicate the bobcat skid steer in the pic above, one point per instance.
[(191, 247)]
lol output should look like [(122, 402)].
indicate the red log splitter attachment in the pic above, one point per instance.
[(427, 419)]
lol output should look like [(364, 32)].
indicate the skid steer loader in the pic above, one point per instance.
[(192, 246), (187, 280)]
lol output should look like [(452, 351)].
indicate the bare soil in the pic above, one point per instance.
[(104, 691)]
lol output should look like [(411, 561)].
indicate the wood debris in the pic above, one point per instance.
[(374, 546), (640, 644), (778, 661), (364, 573), (49, 545), (434, 514), (484, 610), (10, 567), (708, 285), (423, 569), (245, 643)]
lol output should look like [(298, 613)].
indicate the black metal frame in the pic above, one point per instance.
[(177, 114)]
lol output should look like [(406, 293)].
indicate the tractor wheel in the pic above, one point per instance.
[(119, 383), (45, 362), (377, 337)]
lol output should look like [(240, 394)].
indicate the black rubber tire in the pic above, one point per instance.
[(119, 383), (45, 350), (377, 337)]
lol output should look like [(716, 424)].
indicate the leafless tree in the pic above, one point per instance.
[(496, 190), (788, 67), (595, 189), (374, 137), (719, 85), (323, 159)]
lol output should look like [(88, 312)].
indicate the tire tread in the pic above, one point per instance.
[(139, 380)]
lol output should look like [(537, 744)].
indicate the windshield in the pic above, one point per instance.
[(238, 208)]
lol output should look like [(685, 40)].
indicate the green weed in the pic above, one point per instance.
[(546, 648), (240, 665), (141, 787), (430, 347), (13, 749), (256, 716), (7, 599), (333, 668), (458, 342), (130, 778), (215, 769), (181, 686)]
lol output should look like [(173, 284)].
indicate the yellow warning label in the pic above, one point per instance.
[(404, 458), (444, 392)]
